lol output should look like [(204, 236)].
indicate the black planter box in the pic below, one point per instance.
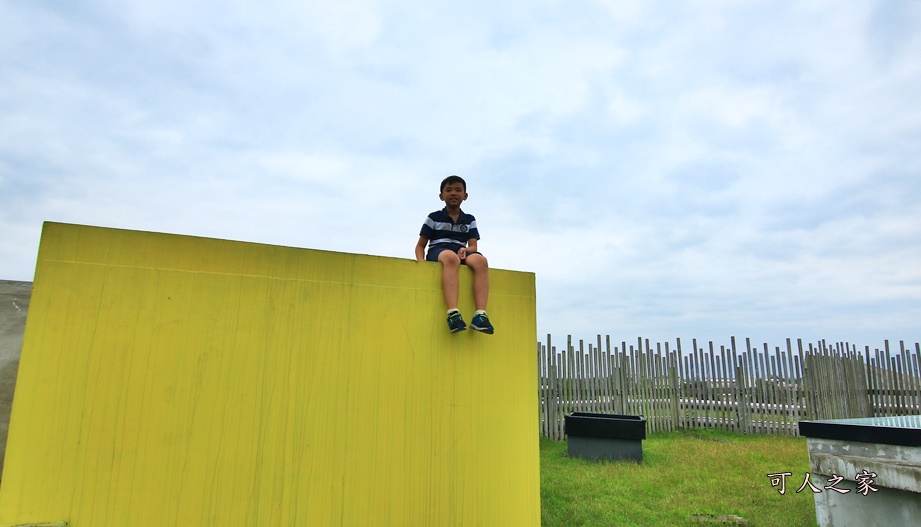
[(605, 436)]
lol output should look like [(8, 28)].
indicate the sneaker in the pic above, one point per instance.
[(456, 322), (480, 322)]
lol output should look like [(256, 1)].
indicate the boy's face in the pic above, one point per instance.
[(453, 194)]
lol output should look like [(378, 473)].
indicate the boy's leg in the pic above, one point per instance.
[(477, 262), (449, 281), (449, 284), (480, 267)]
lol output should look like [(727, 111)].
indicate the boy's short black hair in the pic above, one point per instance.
[(453, 179)]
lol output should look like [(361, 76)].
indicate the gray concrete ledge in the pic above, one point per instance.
[(14, 305)]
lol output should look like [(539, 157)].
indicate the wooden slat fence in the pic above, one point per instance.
[(750, 390)]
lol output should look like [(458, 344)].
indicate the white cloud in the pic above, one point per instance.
[(709, 167)]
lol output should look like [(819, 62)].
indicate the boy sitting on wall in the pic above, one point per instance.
[(452, 235)]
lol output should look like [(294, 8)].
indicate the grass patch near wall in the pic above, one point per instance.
[(688, 477)]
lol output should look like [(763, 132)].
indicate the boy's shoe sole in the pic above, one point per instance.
[(488, 331), (455, 330)]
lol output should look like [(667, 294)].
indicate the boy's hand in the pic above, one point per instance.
[(462, 253)]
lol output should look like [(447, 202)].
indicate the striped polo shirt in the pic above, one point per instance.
[(441, 230)]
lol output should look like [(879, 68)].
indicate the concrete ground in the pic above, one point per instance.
[(14, 304)]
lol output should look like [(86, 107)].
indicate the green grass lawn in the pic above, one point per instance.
[(698, 477)]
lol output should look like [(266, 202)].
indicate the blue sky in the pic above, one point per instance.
[(668, 170)]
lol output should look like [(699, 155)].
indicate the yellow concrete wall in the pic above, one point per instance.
[(174, 380)]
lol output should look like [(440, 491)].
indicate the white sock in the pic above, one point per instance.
[(480, 312), (455, 310)]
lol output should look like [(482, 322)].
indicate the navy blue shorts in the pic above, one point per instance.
[(433, 253)]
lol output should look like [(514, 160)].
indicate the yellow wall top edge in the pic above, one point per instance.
[(80, 245), (52, 227)]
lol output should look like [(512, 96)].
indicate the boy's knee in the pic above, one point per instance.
[(477, 261), (449, 258)]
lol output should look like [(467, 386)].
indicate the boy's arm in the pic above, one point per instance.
[(471, 246), (420, 248)]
